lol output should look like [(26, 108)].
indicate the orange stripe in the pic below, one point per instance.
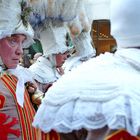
[(12, 87), (121, 134), (24, 114), (6, 81), (29, 113)]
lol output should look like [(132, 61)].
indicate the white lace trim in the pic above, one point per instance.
[(102, 91)]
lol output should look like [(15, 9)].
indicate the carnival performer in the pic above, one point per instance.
[(16, 110), (101, 95), (48, 19)]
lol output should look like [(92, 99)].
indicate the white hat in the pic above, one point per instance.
[(11, 22), (84, 51), (43, 70), (125, 22), (53, 40), (83, 46)]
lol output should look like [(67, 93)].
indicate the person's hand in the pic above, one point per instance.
[(31, 87)]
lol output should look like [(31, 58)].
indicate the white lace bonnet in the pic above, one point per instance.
[(13, 20)]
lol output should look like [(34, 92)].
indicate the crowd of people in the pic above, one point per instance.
[(64, 91)]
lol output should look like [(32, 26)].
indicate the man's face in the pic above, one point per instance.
[(60, 59), (11, 50)]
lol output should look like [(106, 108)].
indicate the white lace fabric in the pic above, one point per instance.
[(106, 92)]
